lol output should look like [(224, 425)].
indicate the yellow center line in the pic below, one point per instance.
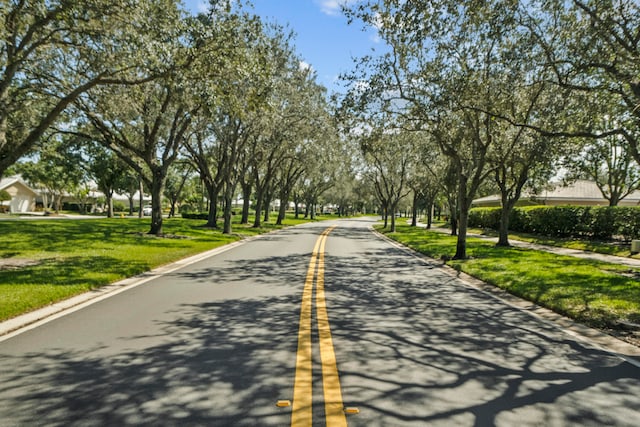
[(302, 389), (301, 414), (333, 406)]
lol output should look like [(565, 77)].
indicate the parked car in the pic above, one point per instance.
[(146, 210)]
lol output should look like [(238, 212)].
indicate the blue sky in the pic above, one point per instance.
[(323, 38)]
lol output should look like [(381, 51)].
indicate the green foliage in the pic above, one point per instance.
[(201, 215), (4, 196), (119, 206), (590, 222)]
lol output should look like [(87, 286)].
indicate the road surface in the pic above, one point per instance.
[(324, 319)]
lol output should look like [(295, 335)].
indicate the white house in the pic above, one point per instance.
[(581, 192), (23, 197)]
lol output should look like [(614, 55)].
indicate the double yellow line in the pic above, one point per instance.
[(302, 387)]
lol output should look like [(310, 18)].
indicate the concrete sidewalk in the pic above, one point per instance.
[(629, 262)]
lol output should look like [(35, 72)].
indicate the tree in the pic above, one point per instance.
[(55, 51), (175, 184), (293, 106), (442, 75), (147, 125), (390, 158), (608, 162), (591, 49), (106, 169), (4, 197), (55, 170)]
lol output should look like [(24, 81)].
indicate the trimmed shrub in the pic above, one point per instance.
[(591, 222), (202, 216)]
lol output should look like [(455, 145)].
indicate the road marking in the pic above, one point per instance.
[(301, 414), (333, 407)]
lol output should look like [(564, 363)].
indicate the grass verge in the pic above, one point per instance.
[(45, 261), (609, 248), (595, 293)]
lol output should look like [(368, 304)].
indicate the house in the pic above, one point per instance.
[(23, 197), (581, 193)]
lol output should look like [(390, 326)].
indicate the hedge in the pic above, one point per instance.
[(587, 222), (203, 216)]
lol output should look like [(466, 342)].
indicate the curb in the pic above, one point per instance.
[(590, 336), (24, 322)]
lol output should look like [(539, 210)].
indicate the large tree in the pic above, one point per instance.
[(147, 125), (52, 52), (444, 73), (592, 50)]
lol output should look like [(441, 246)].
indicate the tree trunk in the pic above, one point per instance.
[(393, 219), (429, 215), (385, 215), (282, 212), (256, 221), (414, 210), (156, 206), (228, 203), (246, 203), (453, 218), (267, 208), (141, 197), (109, 200), (461, 246), (503, 233), (212, 217)]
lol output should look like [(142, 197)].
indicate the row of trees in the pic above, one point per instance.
[(142, 89), (497, 94)]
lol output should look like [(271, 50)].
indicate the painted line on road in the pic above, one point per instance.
[(302, 414), (333, 406)]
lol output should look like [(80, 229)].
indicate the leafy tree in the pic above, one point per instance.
[(4, 197), (608, 162), (443, 74), (52, 52), (391, 159), (591, 49), (147, 125), (56, 170), (106, 169)]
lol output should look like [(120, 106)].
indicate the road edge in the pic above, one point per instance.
[(31, 320), (590, 336)]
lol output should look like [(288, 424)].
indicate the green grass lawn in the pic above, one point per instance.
[(609, 248), (598, 294), (44, 261)]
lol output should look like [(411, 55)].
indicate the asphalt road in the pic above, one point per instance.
[(216, 344)]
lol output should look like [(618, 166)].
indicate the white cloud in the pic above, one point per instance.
[(332, 7), (304, 66)]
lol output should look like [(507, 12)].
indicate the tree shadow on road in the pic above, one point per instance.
[(417, 347), (414, 347)]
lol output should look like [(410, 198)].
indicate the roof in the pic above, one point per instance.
[(13, 180), (581, 190)]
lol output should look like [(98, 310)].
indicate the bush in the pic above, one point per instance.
[(591, 222), (485, 218), (202, 216), (119, 206)]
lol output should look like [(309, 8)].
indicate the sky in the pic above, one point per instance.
[(323, 39)]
